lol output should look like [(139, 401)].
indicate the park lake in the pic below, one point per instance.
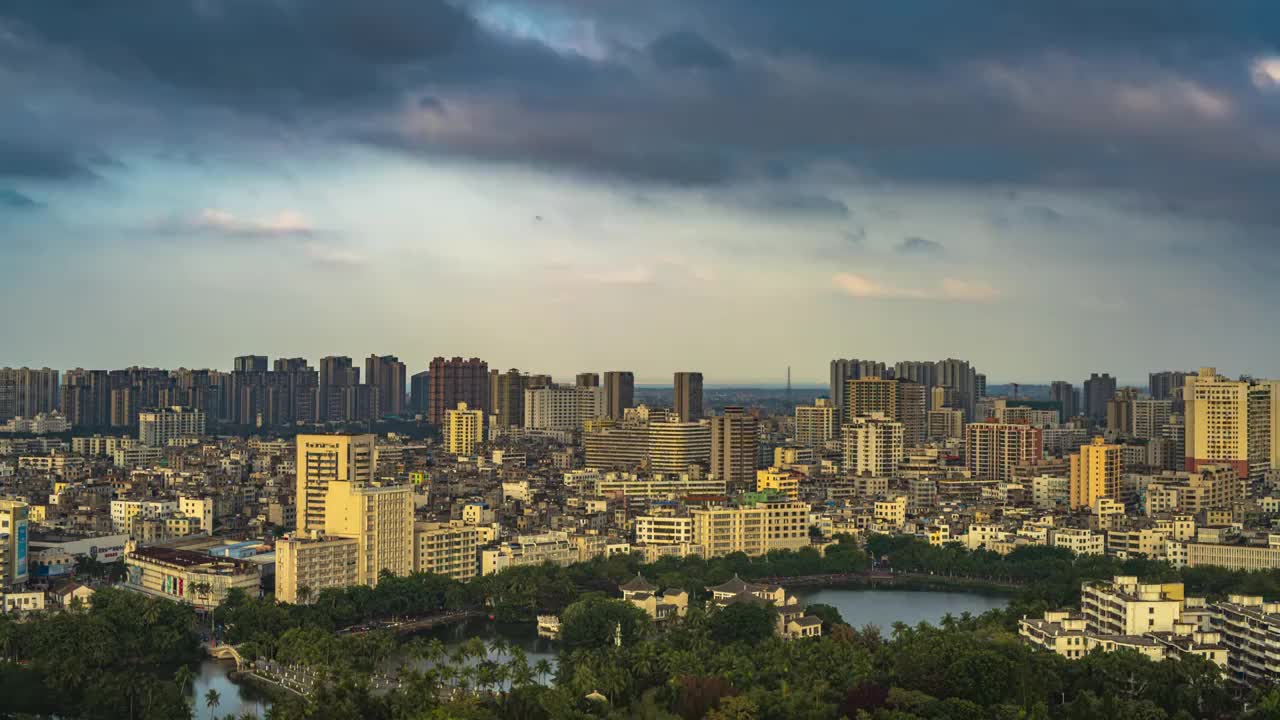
[(858, 607)]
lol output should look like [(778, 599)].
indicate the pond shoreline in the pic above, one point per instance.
[(895, 581)]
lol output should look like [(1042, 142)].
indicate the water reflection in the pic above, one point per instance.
[(233, 699)]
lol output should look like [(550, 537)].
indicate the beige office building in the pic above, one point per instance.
[(993, 451), (380, 518), (311, 565), (450, 548), (463, 430), (322, 459), (674, 446), (1213, 487), (563, 407), (872, 445), (621, 448), (896, 400), (1249, 558), (552, 547), (658, 485), (816, 423), (1232, 423), (157, 428), (664, 530), (945, 424), (1125, 606), (752, 529)]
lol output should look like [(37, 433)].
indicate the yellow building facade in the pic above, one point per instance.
[(1095, 474)]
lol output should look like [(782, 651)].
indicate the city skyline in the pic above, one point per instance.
[(659, 380), (908, 186)]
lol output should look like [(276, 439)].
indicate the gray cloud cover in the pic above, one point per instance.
[(1158, 103)]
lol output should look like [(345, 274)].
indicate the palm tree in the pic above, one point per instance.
[(183, 678), (304, 594), (151, 614), (543, 669), (212, 700)]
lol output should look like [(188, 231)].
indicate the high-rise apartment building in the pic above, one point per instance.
[(13, 544), (869, 395), (816, 423), (1064, 393), (27, 392), (157, 427), (458, 381), (336, 375), (687, 396), (419, 393), (1149, 416), (261, 397), (619, 393), (380, 518), (506, 397), (299, 389), (733, 448), (921, 373), (368, 529), (897, 400), (1120, 411), (387, 373), (86, 398), (251, 363), (1098, 389), (872, 445), (324, 459), (959, 374), (842, 371), (463, 430), (1165, 384), (1095, 474), (1231, 422), (587, 379), (993, 451), (562, 407)]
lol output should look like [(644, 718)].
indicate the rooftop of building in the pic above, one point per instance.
[(181, 558)]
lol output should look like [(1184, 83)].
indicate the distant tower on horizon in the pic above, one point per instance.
[(687, 396), (788, 383)]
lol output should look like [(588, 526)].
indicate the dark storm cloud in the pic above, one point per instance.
[(925, 33), (685, 49), (1147, 100), (40, 163), (247, 52)]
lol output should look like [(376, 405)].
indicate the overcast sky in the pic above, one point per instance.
[(1044, 188)]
